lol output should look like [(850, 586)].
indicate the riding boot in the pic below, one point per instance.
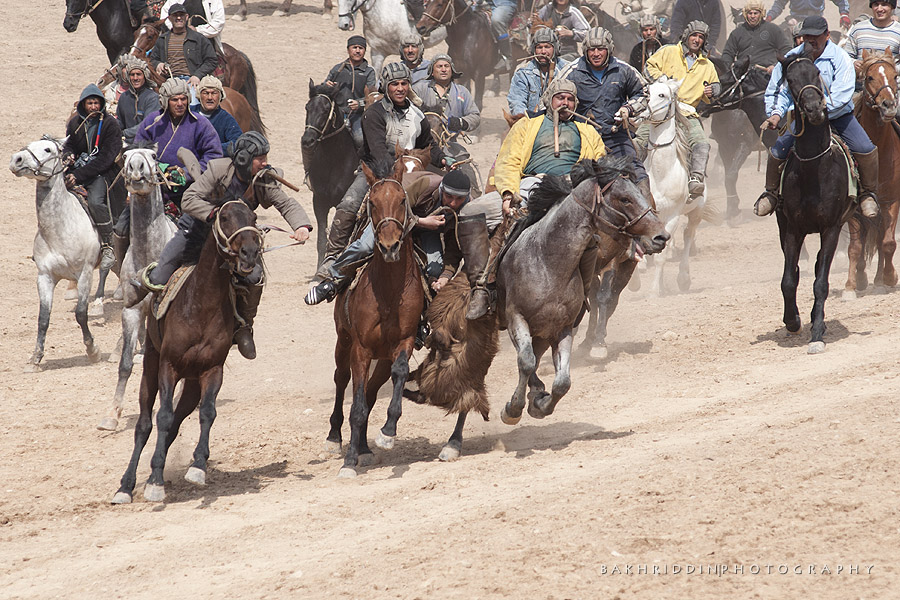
[(768, 201), (644, 187), (341, 273), (246, 304), (476, 249), (699, 158), (504, 47), (338, 235), (868, 182), (120, 246)]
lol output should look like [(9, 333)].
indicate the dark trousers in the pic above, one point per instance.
[(98, 206), (183, 248)]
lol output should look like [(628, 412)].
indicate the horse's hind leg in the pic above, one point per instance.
[(380, 374), (45, 285), (829, 240), (790, 246), (81, 315), (320, 208), (131, 324), (888, 244), (154, 490), (544, 405), (96, 307), (210, 383), (690, 232), (520, 335), (453, 448), (398, 372), (359, 410), (341, 379), (855, 256)]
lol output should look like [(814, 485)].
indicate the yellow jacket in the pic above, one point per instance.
[(515, 152), (669, 60)]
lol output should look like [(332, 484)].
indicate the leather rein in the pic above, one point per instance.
[(404, 226), (599, 201), (331, 118)]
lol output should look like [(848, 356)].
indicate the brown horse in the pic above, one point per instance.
[(191, 343), (377, 320), (282, 11), (876, 113)]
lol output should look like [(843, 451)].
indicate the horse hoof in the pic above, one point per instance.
[(333, 447), (448, 454), (346, 473), (279, 13), (108, 424), (366, 460), (95, 308), (535, 412), (504, 416), (239, 17), (816, 348), (599, 352), (848, 295), (32, 368), (195, 476), (385, 442), (684, 284), (121, 498), (154, 493), (93, 354)]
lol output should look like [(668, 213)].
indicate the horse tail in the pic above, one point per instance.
[(870, 230), (256, 123), (712, 213), (249, 90)]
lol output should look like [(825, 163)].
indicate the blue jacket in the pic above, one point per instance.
[(837, 71), (526, 87), (805, 8), (224, 124), (621, 85)]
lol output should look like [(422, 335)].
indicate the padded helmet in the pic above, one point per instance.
[(248, 146), (173, 87), (649, 20), (795, 30), (597, 37), (413, 39), (454, 74), (893, 3), (211, 82), (395, 71), (545, 35), (754, 5), (695, 27), (557, 86)]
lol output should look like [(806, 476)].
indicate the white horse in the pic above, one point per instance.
[(385, 23), (667, 163), (151, 229), (66, 245)]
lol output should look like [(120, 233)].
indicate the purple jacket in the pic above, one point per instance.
[(195, 133)]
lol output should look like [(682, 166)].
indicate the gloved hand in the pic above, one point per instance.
[(845, 20), (622, 114), (456, 124), (448, 161)]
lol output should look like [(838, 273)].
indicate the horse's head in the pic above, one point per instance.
[(414, 159), (146, 35), (347, 10), (617, 204), (805, 84), (237, 236), (323, 113), (39, 160), (76, 10), (662, 98), (140, 171), (388, 208), (879, 77), (737, 15), (437, 13)]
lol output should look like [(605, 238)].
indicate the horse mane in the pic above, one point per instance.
[(381, 169), (139, 145)]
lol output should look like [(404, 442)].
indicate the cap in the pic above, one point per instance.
[(814, 25)]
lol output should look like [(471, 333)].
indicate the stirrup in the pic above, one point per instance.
[(869, 206), (771, 203), (326, 290), (144, 279)]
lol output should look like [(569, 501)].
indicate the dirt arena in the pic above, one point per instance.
[(710, 457)]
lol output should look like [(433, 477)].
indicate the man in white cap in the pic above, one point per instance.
[(139, 100), (211, 92), (412, 53)]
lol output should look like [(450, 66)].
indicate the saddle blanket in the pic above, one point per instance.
[(162, 302)]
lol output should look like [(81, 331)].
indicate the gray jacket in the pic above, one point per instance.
[(199, 53), (132, 109)]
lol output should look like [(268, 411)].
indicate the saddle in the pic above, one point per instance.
[(852, 170), (176, 282)]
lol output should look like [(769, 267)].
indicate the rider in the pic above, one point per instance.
[(651, 41), (529, 82), (94, 140), (139, 100), (391, 121), (761, 40), (610, 91), (412, 53), (440, 94), (795, 33), (800, 9), (241, 177), (356, 75), (877, 33), (183, 52), (838, 78), (569, 24), (207, 17), (211, 93), (686, 12), (687, 62), (502, 13)]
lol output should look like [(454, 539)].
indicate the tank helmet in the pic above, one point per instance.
[(598, 37), (545, 35), (244, 149), (695, 27), (413, 39), (395, 71), (454, 74), (172, 87), (558, 86), (649, 20), (211, 82), (754, 5), (795, 30)]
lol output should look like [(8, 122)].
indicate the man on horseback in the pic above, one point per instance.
[(211, 93), (801, 9), (502, 13), (839, 79), (412, 53), (531, 79), (760, 40), (139, 100), (244, 176), (356, 75), (686, 61), (877, 33), (610, 91), (651, 41), (687, 12), (568, 23), (439, 94), (93, 141), (182, 52), (206, 17), (392, 121)]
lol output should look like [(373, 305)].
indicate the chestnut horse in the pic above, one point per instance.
[(876, 113), (377, 320), (191, 343)]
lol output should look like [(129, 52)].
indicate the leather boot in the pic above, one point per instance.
[(644, 186), (476, 249), (246, 303), (868, 182), (504, 47), (120, 246), (766, 203), (338, 235), (699, 158), (587, 267)]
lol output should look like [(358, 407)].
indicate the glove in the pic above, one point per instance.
[(769, 18), (449, 160), (622, 114), (845, 20), (456, 124)]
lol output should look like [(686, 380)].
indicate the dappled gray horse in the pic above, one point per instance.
[(539, 283)]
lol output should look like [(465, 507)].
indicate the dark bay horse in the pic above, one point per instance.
[(191, 343), (112, 18), (876, 111), (815, 195), (377, 320), (540, 300)]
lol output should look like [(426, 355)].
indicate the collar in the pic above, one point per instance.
[(685, 53)]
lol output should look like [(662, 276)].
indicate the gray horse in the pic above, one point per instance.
[(150, 230), (539, 282)]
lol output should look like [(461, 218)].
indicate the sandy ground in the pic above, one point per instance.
[(709, 457)]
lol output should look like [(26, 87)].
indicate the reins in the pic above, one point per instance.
[(88, 9), (385, 220), (223, 242), (451, 7), (331, 113), (598, 201)]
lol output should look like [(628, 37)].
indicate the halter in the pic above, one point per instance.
[(357, 6), (599, 201), (451, 7), (870, 96), (384, 221), (40, 163), (223, 242), (88, 9), (331, 116)]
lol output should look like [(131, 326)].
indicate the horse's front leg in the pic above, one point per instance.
[(81, 313), (131, 325), (888, 245), (45, 284), (154, 491), (857, 262), (829, 241), (399, 375), (341, 379), (790, 246), (562, 352), (210, 384), (96, 306), (520, 334), (453, 448), (359, 410), (690, 233)]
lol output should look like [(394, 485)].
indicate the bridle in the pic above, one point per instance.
[(385, 220), (358, 5), (799, 95), (324, 134), (223, 242), (599, 202), (871, 97), (737, 86), (40, 163), (451, 8), (88, 9), (157, 174)]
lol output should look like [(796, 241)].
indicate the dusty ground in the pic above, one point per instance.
[(709, 440)]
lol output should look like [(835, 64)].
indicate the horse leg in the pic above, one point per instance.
[(594, 316), (453, 448), (790, 246), (380, 374), (536, 387), (520, 335), (888, 245), (359, 410), (608, 301), (144, 425), (154, 491), (285, 8), (184, 406), (81, 313), (684, 269), (341, 379), (320, 208), (399, 375), (478, 79), (829, 241), (46, 285), (855, 256), (96, 306), (210, 383), (562, 351), (131, 323), (241, 14)]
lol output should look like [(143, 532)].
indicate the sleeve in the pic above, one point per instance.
[(232, 131), (843, 6), (596, 149), (851, 46), (518, 93), (777, 100), (425, 140), (777, 8), (371, 79), (715, 22), (471, 114), (208, 144), (508, 168), (156, 54), (731, 50), (580, 25), (195, 200), (634, 58), (679, 20), (374, 137), (215, 19), (654, 66), (780, 41), (164, 11), (148, 103), (333, 72), (210, 59), (636, 91), (127, 133), (844, 83), (110, 146)]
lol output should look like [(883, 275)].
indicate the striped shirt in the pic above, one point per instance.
[(866, 36), (176, 59)]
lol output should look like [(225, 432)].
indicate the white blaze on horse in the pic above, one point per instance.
[(66, 245)]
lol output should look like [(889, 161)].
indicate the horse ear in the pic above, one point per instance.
[(888, 53), (866, 53), (370, 176), (312, 88), (399, 168)]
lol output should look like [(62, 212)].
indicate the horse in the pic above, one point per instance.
[(113, 20), (150, 230), (191, 343), (66, 245), (668, 157), (876, 114), (282, 11), (540, 300), (377, 320), (815, 195)]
